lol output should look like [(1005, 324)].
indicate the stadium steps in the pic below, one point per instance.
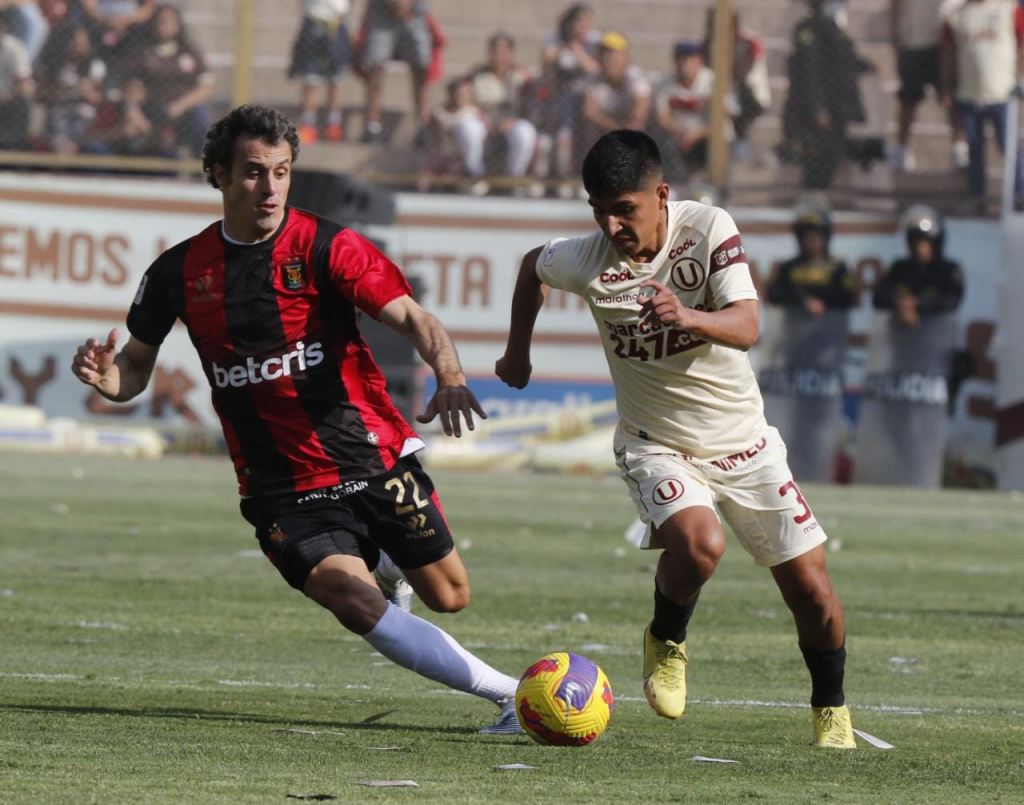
[(652, 26)]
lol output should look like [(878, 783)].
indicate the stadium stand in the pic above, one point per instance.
[(653, 27)]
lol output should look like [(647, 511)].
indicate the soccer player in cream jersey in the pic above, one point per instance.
[(671, 293)]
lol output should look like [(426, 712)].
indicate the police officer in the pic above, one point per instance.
[(813, 280), (824, 96), (924, 282)]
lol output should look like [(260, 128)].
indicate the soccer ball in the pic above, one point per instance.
[(564, 700)]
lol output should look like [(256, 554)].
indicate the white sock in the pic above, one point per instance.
[(387, 568), (309, 118), (420, 646)]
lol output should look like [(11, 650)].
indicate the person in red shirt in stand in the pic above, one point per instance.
[(326, 465)]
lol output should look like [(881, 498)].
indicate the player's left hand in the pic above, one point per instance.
[(664, 306), (447, 403)]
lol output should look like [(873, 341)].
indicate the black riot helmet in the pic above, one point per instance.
[(812, 218), (921, 221)]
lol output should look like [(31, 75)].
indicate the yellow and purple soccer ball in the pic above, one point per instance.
[(564, 700)]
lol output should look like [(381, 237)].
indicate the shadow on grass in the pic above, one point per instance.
[(192, 714)]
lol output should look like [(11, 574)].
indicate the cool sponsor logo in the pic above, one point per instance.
[(253, 371)]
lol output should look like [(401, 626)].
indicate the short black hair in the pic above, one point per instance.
[(622, 161), (260, 122)]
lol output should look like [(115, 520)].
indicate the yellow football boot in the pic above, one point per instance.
[(664, 675), (833, 728)]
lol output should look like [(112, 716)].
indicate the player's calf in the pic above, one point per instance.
[(342, 585)]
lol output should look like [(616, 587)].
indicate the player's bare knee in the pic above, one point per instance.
[(450, 598), (812, 592)]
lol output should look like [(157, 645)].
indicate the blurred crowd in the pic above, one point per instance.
[(101, 77), (125, 77)]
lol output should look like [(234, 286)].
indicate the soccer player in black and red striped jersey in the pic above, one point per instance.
[(326, 465)]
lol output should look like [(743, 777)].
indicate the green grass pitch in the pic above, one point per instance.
[(147, 656)]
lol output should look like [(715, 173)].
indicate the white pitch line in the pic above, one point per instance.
[(881, 708)]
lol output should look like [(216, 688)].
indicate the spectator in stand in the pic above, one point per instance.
[(814, 280), (27, 22), (397, 30), (319, 57), (71, 83), (916, 29), (119, 26), (924, 282), (16, 90), (750, 87), (569, 62), (133, 133), (824, 95), (178, 83), (618, 98), (458, 130), (682, 111), (981, 48), (500, 91)]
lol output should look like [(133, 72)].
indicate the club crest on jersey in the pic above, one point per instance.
[(293, 273), (688, 274)]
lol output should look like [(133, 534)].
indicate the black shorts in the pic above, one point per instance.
[(918, 70), (320, 53), (397, 512)]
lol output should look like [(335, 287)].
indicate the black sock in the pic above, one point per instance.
[(670, 618), (826, 669)]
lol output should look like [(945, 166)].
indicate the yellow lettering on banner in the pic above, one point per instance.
[(6, 249)]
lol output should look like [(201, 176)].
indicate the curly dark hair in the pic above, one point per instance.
[(261, 122)]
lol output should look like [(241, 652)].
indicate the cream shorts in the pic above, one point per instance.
[(753, 491)]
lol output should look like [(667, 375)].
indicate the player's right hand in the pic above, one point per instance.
[(513, 372), (93, 359)]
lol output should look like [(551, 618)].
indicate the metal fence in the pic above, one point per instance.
[(866, 103)]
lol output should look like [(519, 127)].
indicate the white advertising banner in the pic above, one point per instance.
[(72, 251)]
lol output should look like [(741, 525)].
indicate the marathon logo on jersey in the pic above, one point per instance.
[(253, 371), (293, 273), (728, 253)]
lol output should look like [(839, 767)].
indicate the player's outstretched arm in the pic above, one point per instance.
[(452, 398), (735, 325), (514, 367), (118, 376)]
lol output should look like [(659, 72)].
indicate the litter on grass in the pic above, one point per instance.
[(871, 739), (308, 732), (702, 759), (514, 767), (378, 716), (390, 783)]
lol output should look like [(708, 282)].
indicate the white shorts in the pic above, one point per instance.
[(753, 490)]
